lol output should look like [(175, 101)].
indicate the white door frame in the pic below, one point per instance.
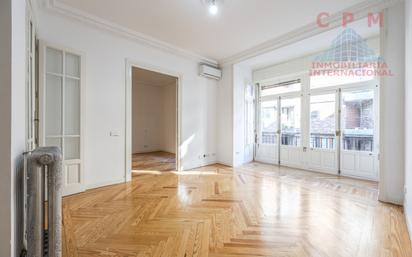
[(130, 64)]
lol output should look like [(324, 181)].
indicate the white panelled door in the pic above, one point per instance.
[(60, 111), (323, 143), (359, 146), (291, 150), (267, 147)]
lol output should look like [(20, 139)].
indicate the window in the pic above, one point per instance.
[(281, 88), (322, 121), (290, 121), (358, 120)]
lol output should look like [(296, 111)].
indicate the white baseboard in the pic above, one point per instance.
[(105, 183)]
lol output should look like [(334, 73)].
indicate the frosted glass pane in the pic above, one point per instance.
[(72, 107), (53, 105), (54, 61), (73, 65), (71, 148), (54, 142)]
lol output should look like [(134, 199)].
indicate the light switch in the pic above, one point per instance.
[(114, 134)]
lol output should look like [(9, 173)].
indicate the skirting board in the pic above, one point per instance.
[(106, 183)]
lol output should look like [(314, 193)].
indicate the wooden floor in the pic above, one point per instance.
[(155, 161), (255, 210)]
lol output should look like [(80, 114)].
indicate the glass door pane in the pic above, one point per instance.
[(269, 124), (290, 121), (322, 121), (358, 120)]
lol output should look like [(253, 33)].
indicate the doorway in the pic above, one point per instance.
[(154, 121)]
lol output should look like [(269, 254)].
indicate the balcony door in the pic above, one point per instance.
[(323, 127), (359, 141), (267, 147), (291, 150)]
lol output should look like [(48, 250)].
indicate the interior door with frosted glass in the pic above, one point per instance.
[(359, 155), (323, 150), (60, 102), (267, 147), (291, 150)]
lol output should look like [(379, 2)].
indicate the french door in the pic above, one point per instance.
[(359, 140), (323, 136), (267, 147), (249, 123), (330, 130), (291, 149), (60, 111)]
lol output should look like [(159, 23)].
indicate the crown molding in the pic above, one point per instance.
[(359, 11), (70, 12)]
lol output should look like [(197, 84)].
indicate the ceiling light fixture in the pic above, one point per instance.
[(213, 7)]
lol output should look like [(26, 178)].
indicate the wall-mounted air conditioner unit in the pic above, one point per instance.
[(210, 71)]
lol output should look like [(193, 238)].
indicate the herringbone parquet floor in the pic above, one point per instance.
[(255, 210), (154, 161)]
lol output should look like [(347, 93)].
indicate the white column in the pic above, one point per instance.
[(392, 107)]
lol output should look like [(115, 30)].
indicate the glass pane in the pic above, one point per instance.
[(269, 125), (358, 120), (322, 121), (73, 65), (290, 121), (54, 142), (72, 107), (281, 89), (54, 62), (71, 148), (53, 105)]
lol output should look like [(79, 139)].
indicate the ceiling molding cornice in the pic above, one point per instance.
[(359, 11), (61, 8)]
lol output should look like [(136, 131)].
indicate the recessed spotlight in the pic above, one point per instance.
[(213, 7)]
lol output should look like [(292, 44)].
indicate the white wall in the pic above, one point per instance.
[(153, 118), (105, 58), (169, 118), (225, 117), (12, 126), (408, 116), (5, 127), (392, 106), (298, 65), (242, 75)]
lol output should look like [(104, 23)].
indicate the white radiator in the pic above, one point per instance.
[(43, 203)]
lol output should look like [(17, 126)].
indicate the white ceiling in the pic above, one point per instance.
[(309, 45), (186, 24)]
